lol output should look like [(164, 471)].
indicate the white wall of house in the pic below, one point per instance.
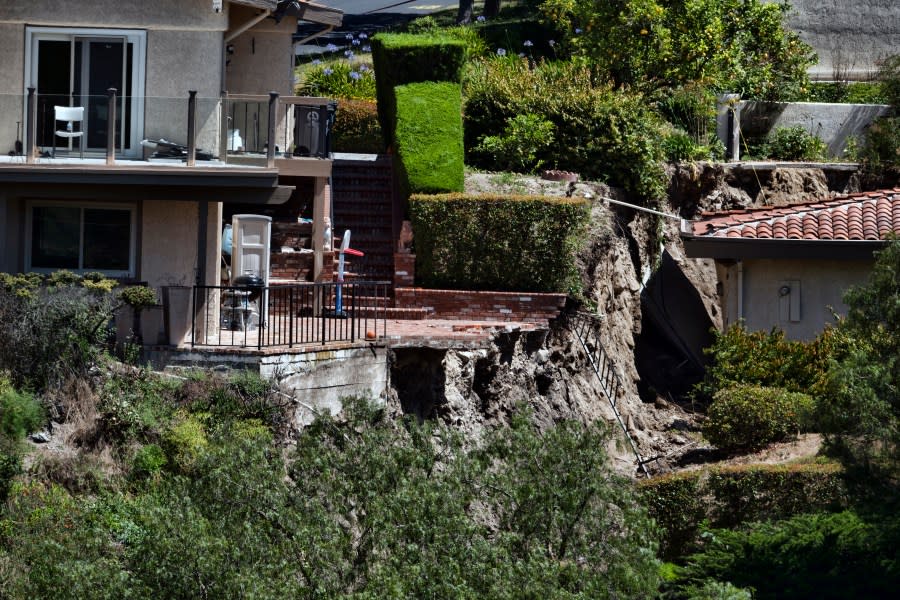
[(796, 296)]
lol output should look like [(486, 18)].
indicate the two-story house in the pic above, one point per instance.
[(197, 73)]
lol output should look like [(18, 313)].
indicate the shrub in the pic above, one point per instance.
[(889, 81), (794, 143), (340, 80), (691, 108), (750, 416), (10, 468), (356, 128), (601, 134), (148, 461), (681, 504), (519, 243), (517, 149), (428, 138), (138, 296), (880, 155), (769, 359), (51, 332), (20, 413), (401, 59), (828, 556), (185, 442), (679, 146)]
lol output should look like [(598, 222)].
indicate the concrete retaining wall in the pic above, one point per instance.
[(835, 124)]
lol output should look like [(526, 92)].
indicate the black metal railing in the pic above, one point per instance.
[(289, 315)]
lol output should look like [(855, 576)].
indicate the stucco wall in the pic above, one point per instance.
[(820, 285), (850, 36), (168, 238)]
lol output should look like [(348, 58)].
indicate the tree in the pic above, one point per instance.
[(730, 45), (862, 413), (464, 14)]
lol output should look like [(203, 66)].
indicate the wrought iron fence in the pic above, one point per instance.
[(288, 315)]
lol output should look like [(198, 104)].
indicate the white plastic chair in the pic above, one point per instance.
[(69, 114)]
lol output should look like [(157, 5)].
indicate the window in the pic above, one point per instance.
[(75, 67), (82, 238)]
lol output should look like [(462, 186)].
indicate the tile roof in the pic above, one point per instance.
[(866, 216)]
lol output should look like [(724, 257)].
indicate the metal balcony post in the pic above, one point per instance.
[(192, 128), (30, 116), (270, 148), (111, 126)]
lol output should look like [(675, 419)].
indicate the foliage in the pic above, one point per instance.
[(52, 330), (679, 147), (428, 137), (138, 296), (845, 92), (184, 442), (732, 45), (768, 359), (692, 109), (20, 412), (517, 148), (828, 556), (746, 417), (517, 243), (864, 399), (368, 508), (402, 59), (356, 128), (793, 143), (880, 155), (340, 80), (599, 133), (889, 81), (730, 496)]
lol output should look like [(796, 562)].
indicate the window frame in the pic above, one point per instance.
[(132, 235)]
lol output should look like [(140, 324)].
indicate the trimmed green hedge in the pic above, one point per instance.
[(403, 58), (729, 496), (511, 243), (356, 127), (429, 138)]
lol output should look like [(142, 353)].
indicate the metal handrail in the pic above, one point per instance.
[(583, 326), (297, 315)]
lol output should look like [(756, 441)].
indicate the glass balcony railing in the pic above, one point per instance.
[(248, 130)]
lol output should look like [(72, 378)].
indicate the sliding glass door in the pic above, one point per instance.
[(76, 68)]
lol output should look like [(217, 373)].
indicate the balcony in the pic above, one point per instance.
[(290, 134)]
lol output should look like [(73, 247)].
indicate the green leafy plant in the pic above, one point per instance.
[(20, 412), (148, 461), (794, 143), (340, 80), (748, 416), (517, 148), (517, 243), (138, 296)]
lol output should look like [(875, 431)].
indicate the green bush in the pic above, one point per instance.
[(730, 496), (53, 331), (340, 80), (185, 442), (517, 148), (601, 134), (518, 243), (793, 143), (148, 461), (827, 556), (880, 155), (138, 296), (10, 468), (769, 359), (750, 416), (846, 92), (401, 59), (679, 147), (692, 109), (356, 128), (889, 81), (20, 412), (428, 138)]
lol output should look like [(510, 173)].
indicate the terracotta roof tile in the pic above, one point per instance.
[(869, 216)]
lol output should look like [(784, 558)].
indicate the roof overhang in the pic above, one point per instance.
[(302, 9), (116, 183), (721, 248)]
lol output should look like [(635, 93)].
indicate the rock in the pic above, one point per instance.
[(41, 437)]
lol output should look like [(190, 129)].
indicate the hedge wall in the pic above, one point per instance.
[(513, 243), (428, 138), (356, 127), (403, 58), (729, 496)]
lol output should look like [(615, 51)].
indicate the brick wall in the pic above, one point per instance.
[(488, 306)]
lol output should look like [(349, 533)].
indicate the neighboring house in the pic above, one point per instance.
[(119, 210), (789, 266)]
